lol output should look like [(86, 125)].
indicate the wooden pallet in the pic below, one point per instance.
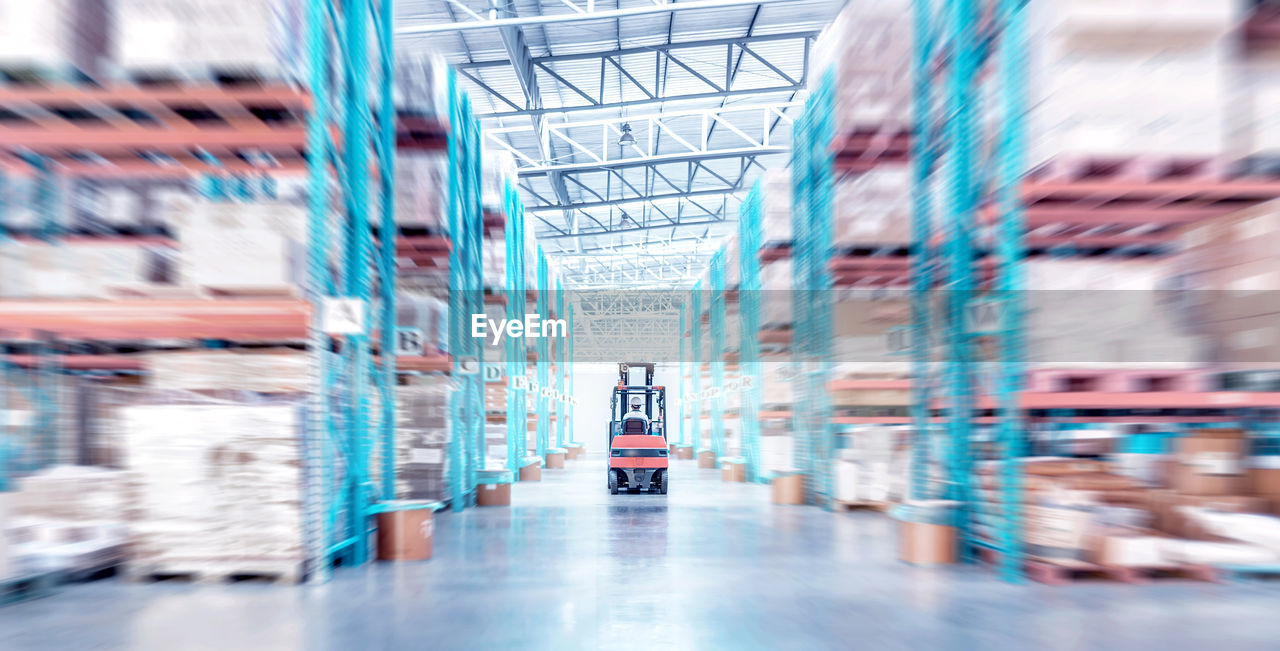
[(1148, 574), (1240, 572), (1061, 572), (1065, 571), (28, 586), (850, 505), (216, 572)]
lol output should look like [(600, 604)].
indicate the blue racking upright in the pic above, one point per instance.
[(466, 297), (683, 368), (567, 370), (812, 173), (960, 50), (749, 310), (543, 362), (718, 345), (343, 436), (561, 404), (517, 357), (695, 346)]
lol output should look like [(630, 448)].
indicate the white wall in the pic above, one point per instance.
[(593, 385)]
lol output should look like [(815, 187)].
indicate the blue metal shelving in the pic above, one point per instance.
[(683, 368), (341, 438), (750, 307), (543, 363), (951, 49), (561, 372), (466, 297), (716, 322), (695, 343), (517, 358), (812, 169)]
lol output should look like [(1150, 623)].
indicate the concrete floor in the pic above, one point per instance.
[(710, 566)]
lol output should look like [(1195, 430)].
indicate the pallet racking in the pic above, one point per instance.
[(340, 128)]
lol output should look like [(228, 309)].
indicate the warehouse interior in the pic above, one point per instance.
[(687, 324)]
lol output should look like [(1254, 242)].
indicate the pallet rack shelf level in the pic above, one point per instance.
[(343, 137)]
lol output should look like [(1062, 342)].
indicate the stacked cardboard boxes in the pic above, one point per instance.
[(1092, 79), (868, 50), (866, 467), (873, 209), (775, 207), (218, 486), (1227, 267), (261, 37), (239, 246), (1132, 319), (422, 439), (776, 294), (75, 270), (421, 192), (257, 370), (69, 518), (777, 445), (1084, 510), (863, 322), (54, 36)]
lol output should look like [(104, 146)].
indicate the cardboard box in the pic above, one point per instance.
[(405, 534), (555, 459), (684, 452), (1265, 483), (706, 459), (494, 494), (1055, 532), (1053, 467), (1165, 506), (1210, 462), (576, 451), (788, 489), (922, 543), (531, 472), (733, 471), (1130, 549), (5, 569)]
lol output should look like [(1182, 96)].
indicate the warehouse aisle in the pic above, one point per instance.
[(710, 566)]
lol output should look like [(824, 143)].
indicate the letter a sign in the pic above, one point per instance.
[(343, 316)]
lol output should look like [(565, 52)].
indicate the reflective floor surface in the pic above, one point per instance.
[(709, 566)]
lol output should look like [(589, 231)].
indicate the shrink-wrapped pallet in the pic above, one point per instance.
[(258, 38), (218, 486), (53, 37), (422, 439)]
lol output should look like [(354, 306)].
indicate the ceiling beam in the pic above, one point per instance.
[(639, 229), (784, 83), (493, 21), (517, 48), (680, 157), (631, 200)]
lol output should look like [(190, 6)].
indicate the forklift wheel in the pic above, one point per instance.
[(613, 484), (662, 484)]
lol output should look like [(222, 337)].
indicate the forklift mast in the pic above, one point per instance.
[(654, 396), (624, 372)]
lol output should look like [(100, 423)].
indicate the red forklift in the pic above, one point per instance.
[(637, 433)]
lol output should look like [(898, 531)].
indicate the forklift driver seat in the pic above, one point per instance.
[(635, 426)]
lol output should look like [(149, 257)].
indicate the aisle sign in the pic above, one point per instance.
[(983, 316), (343, 316), (410, 342)]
